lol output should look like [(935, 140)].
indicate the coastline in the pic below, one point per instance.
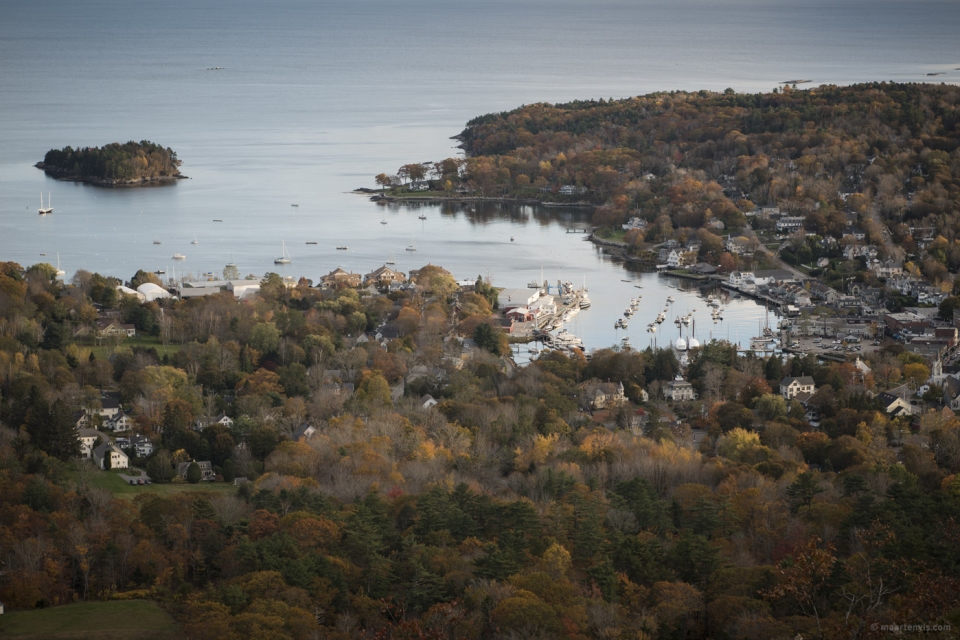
[(69, 176), (381, 198)]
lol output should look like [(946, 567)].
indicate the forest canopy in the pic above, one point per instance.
[(113, 163)]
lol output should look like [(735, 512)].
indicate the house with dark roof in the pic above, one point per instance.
[(206, 469), (679, 390), (608, 395), (383, 276), (304, 432), (118, 459), (118, 422), (894, 405), (790, 387)]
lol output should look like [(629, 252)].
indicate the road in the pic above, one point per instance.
[(750, 233)]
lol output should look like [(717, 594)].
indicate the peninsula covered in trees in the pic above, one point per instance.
[(695, 157), (113, 164)]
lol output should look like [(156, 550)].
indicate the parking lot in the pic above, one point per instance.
[(834, 346)]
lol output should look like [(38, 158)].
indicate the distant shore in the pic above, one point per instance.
[(70, 176), (380, 197)]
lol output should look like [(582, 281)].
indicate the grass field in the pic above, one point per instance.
[(120, 620), (112, 482), (149, 342)]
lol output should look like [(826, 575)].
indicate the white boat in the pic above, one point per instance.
[(179, 256), (284, 256), (412, 247), (43, 210), (60, 272), (195, 241), (670, 299), (584, 301), (383, 222), (392, 259)]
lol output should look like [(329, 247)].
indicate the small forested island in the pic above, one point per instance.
[(114, 164)]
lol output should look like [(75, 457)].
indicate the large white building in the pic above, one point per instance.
[(512, 298)]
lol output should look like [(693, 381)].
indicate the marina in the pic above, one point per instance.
[(542, 250)]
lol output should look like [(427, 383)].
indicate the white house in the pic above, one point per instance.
[(118, 459), (428, 401), (142, 445), (119, 422), (88, 440), (787, 224), (790, 387), (739, 278)]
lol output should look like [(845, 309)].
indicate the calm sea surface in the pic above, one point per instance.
[(316, 97)]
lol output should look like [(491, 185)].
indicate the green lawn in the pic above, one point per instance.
[(613, 235), (112, 482), (118, 620), (149, 342)]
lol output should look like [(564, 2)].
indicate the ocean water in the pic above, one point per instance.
[(316, 97)]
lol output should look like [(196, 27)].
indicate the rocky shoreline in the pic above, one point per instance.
[(70, 176)]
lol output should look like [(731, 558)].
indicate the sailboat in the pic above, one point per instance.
[(412, 247), (195, 241), (43, 210), (60, 272), (284, 257), (392, 259)]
